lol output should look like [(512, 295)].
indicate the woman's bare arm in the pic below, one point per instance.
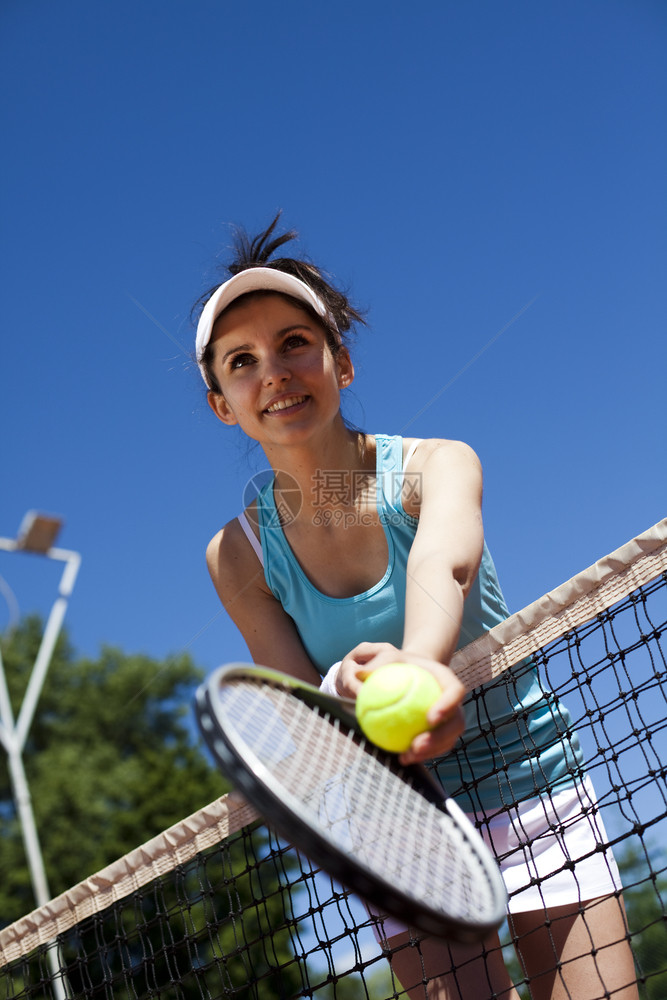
[(269, 632)]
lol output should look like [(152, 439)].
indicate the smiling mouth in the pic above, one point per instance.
[(285, 404)]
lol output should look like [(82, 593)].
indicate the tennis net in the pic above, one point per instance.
[(218, 906)]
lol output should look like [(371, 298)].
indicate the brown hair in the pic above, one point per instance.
[(256, 252)]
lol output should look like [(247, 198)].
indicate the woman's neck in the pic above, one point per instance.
[(326, 465)]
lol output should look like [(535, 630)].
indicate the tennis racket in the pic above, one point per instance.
[(385, 831)]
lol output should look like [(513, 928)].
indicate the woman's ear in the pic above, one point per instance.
[(345, 368), (222, 410)]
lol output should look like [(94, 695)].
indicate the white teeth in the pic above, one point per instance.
[(282, 404)]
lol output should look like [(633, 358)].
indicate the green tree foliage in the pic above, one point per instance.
[(645, 897), (374, 983), (205, 929), (112, 761)]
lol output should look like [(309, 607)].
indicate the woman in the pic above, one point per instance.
[(366, 549)]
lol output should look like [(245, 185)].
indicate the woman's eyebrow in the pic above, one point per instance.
[(235, 350), (291, 327), (278, 334)]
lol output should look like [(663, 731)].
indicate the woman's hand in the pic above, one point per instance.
[(445, 716)]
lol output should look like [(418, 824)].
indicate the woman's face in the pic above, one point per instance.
[(279, 380)]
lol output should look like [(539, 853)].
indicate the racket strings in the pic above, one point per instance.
[(363, 807)]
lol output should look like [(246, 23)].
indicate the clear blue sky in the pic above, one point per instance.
[(453, 164)]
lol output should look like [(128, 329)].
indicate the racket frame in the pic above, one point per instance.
[(283, 813)]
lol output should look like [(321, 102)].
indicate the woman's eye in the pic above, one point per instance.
[(295, 340), (239, 360)]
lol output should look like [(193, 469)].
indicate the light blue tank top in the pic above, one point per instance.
[(491, 763)]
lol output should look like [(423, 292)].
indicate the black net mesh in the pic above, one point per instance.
[(252, 918)]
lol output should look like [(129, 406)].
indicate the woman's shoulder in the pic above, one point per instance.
[(229, 555), (227, 536), (438, 468), (239, 581), (420, 451)]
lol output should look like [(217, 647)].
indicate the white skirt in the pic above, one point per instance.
[(551, 851)]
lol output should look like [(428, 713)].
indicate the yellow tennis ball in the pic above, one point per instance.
[(393, 702)]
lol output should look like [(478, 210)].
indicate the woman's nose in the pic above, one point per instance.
[(275, 370)]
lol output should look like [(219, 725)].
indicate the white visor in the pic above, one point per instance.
[(253, 279)]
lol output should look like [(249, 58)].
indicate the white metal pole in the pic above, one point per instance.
[(49, 639), (26, 816), (13, 737)]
